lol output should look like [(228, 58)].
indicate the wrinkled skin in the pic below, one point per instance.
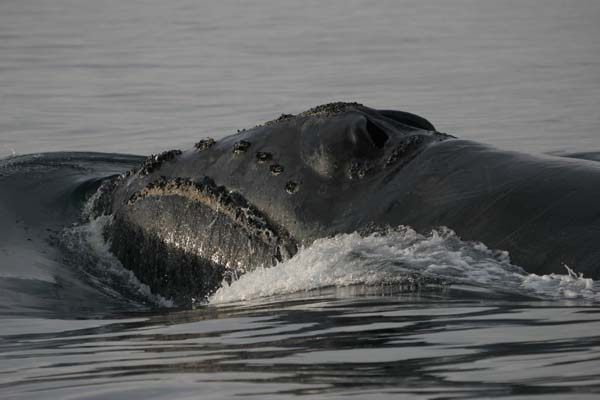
[(342, 168)]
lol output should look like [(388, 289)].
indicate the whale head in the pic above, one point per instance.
[(185, 220)]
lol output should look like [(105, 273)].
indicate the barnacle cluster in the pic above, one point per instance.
[(154, 161)]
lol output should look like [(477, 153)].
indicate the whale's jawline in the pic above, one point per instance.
[(182, 237)]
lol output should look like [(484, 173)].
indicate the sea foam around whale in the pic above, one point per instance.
[(386, 259)]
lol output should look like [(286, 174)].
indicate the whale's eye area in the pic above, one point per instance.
[(378, 137)]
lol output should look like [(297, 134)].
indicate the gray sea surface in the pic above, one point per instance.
[(142, 76)]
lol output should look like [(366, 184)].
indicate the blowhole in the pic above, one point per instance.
[(378, 136)]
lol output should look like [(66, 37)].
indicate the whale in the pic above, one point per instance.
[(186, 221)]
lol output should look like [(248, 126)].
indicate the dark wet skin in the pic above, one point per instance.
[(342, 168), (328, 162)]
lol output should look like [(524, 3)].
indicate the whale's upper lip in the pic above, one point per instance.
[(344, 143), (342, 140)]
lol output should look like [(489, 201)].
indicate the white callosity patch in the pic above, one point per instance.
[(352, 259)]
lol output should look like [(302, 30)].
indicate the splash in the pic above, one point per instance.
[(377, 259), (569, 286), (7, 152)]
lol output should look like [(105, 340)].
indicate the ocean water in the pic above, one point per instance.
[(338, 320)]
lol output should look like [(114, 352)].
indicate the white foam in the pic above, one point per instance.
[(351, 259), (569, 286)]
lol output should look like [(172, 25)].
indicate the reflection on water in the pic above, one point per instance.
[(440, 344)]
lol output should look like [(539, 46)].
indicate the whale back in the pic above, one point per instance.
[(543, 210)]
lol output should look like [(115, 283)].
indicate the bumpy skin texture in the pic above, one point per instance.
[(338, 168)]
